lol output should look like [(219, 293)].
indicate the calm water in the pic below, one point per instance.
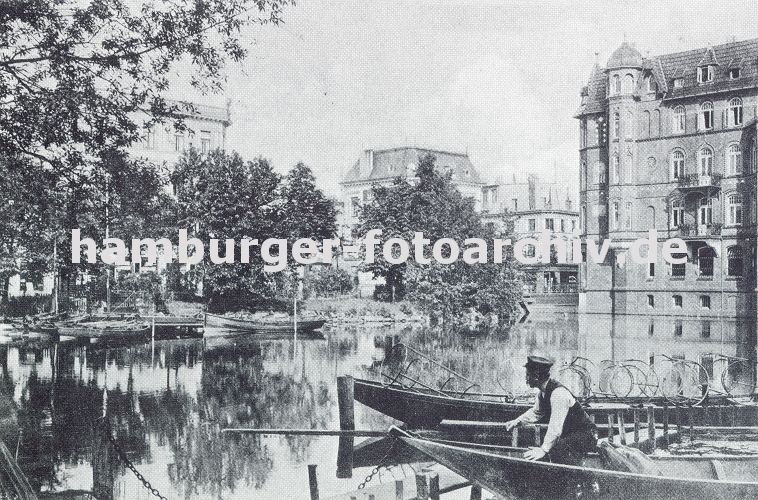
[(167, 402)]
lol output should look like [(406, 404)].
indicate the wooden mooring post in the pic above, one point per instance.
[(313, 481), (514, 437), (636, 415), (434, 486), (651, 426), (345, 447), (346, 402), (666, 424), (476, 493), (622, 428), (610, 427)]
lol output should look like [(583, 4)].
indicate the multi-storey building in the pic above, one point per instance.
[(536, 207), (381, 168), (669, 143)]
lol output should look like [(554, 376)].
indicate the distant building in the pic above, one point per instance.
[(381, 168), (535, 207), (669, 143)]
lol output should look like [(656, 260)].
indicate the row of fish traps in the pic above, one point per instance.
[(678, 381)]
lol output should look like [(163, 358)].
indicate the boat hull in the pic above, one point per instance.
[(214, 320), (514, 477), (82, 330), (423, 409)]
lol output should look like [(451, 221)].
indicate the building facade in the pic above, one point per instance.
[(536, 207), (381, 168), (669, 143)]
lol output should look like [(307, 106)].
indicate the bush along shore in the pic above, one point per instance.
[(355, 310)]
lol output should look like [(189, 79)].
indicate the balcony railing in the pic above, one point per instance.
[(701, 230), (554, 288), (697, 181)]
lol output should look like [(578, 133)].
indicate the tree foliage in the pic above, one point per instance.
[(76, 76), (432, 205), (222, 196)]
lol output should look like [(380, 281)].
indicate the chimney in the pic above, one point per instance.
[(367, 163)]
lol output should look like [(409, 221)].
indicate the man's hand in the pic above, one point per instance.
[(509, 425), (534, 454)]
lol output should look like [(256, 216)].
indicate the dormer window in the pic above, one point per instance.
[(678, 83), (651, 85), (705, 74), (734, 73)]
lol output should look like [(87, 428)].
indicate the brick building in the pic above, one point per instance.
[(669, 142), (536, 206)]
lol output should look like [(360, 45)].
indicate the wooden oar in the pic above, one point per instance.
[(306, 432)]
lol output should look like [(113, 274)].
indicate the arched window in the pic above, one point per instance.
[(651, 216), (615, 215), (616, 121), (706, 116), (655, 129), (735, 112), (583, 175), (647, 125), (677, 164), (677, 213), (735, 262), (628, 168), (733, 159), (616, 86), (650, 84), (628, 83), (705, 213), (705, 160), (615, 173), (734, 208), (705, 257), (679, 120)]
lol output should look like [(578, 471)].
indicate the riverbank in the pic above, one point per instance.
[(348, 309)]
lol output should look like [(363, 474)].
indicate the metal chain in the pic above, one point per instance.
[(122, 456), (376, 469)]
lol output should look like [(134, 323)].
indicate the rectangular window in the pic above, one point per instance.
[(651, 270), (515, 204), (651, 301), (705, 329), (705, 301), (532, 224), (678, 270), (678, 328), (628, 214), (651, 329), (205, 141), (678, 83), (705, 74), (563, 226), (677, 300), (549, 224), (150, 139), (573, 225), (179, 143), (734, 73)]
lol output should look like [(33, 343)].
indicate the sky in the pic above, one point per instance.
[(499, 80)]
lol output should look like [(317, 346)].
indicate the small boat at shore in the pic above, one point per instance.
[(421, 407), (264, 324), (110, 328), (503, 471)]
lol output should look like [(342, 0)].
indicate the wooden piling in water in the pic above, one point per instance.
[(476, 493), (514, 437), (636, 414), (622, 428), (610, 427), (346, 402), (422, 488), (666, 424), (434, 487), (345, 448), (679, 420), (691, 422), (313, 481), (651, 426), (537, 436), (399, 490)]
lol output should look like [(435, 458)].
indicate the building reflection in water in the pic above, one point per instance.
[(168, 402)]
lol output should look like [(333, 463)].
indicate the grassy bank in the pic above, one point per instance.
[(351, 309)]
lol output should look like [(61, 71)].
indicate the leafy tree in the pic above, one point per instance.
[(75, 77), (222, 196), (436, 208), (307, 213)]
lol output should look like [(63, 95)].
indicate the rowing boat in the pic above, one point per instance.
[(503, 471), (421, 407), (103, 329), (274, 325)]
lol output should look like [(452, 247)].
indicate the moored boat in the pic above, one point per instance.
[(105, 329), (504, 472), (263, 325), (421, 407)]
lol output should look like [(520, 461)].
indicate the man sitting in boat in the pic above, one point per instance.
[(570, 432)]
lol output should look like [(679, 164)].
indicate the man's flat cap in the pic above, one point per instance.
[(538, 362)]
